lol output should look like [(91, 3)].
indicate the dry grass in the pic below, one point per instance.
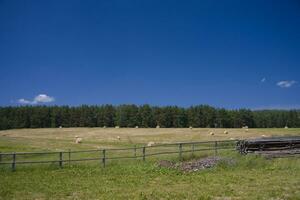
[(64, 138)]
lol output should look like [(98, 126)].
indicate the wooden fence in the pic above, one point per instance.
[(104, 155)]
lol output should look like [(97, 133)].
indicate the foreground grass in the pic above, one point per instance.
[(250, 178)]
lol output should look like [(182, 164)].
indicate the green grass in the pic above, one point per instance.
[(251, 177)]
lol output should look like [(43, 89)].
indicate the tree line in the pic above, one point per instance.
[(143, 116)]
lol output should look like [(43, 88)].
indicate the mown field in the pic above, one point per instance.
[(251, 177)]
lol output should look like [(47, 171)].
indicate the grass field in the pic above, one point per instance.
[(63, 139), (252, 177)]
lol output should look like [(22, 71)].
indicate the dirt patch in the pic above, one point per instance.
[(195, 165), (166, 164)]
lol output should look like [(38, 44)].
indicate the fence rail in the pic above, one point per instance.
[(104, 155)]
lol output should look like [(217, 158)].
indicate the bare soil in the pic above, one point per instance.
[(195, 165)]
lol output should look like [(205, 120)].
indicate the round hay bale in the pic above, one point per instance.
[(150, 144), (117, 126), (137, 127), (225, 132), (78, 140), (211, 133), (157, 126)]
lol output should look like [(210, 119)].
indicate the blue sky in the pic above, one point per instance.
[(230, 54)]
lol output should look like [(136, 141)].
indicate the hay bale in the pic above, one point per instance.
[(150, 144), (157, 126), (211, 133), (117, 126), (245, 128), (78, 140), (137, 127), (263, 136), (286, 127), (225, 132), (60, 127), (191, 127), (118, 137), (104, 126)]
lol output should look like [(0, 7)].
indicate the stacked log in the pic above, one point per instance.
[(268, 144)]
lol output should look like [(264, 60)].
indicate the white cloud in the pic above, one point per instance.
[(286, 84), (24, 101), (263, 80), (41, 98)]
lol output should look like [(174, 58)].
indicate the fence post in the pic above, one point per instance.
[(180, 151), (193, 149), (144, 153), (260, 148), (13, 165), (60, 159), (69, 156), (103, 157), (216, 148), (135, 151)]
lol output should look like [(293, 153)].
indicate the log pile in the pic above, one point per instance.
[(271, 144)]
